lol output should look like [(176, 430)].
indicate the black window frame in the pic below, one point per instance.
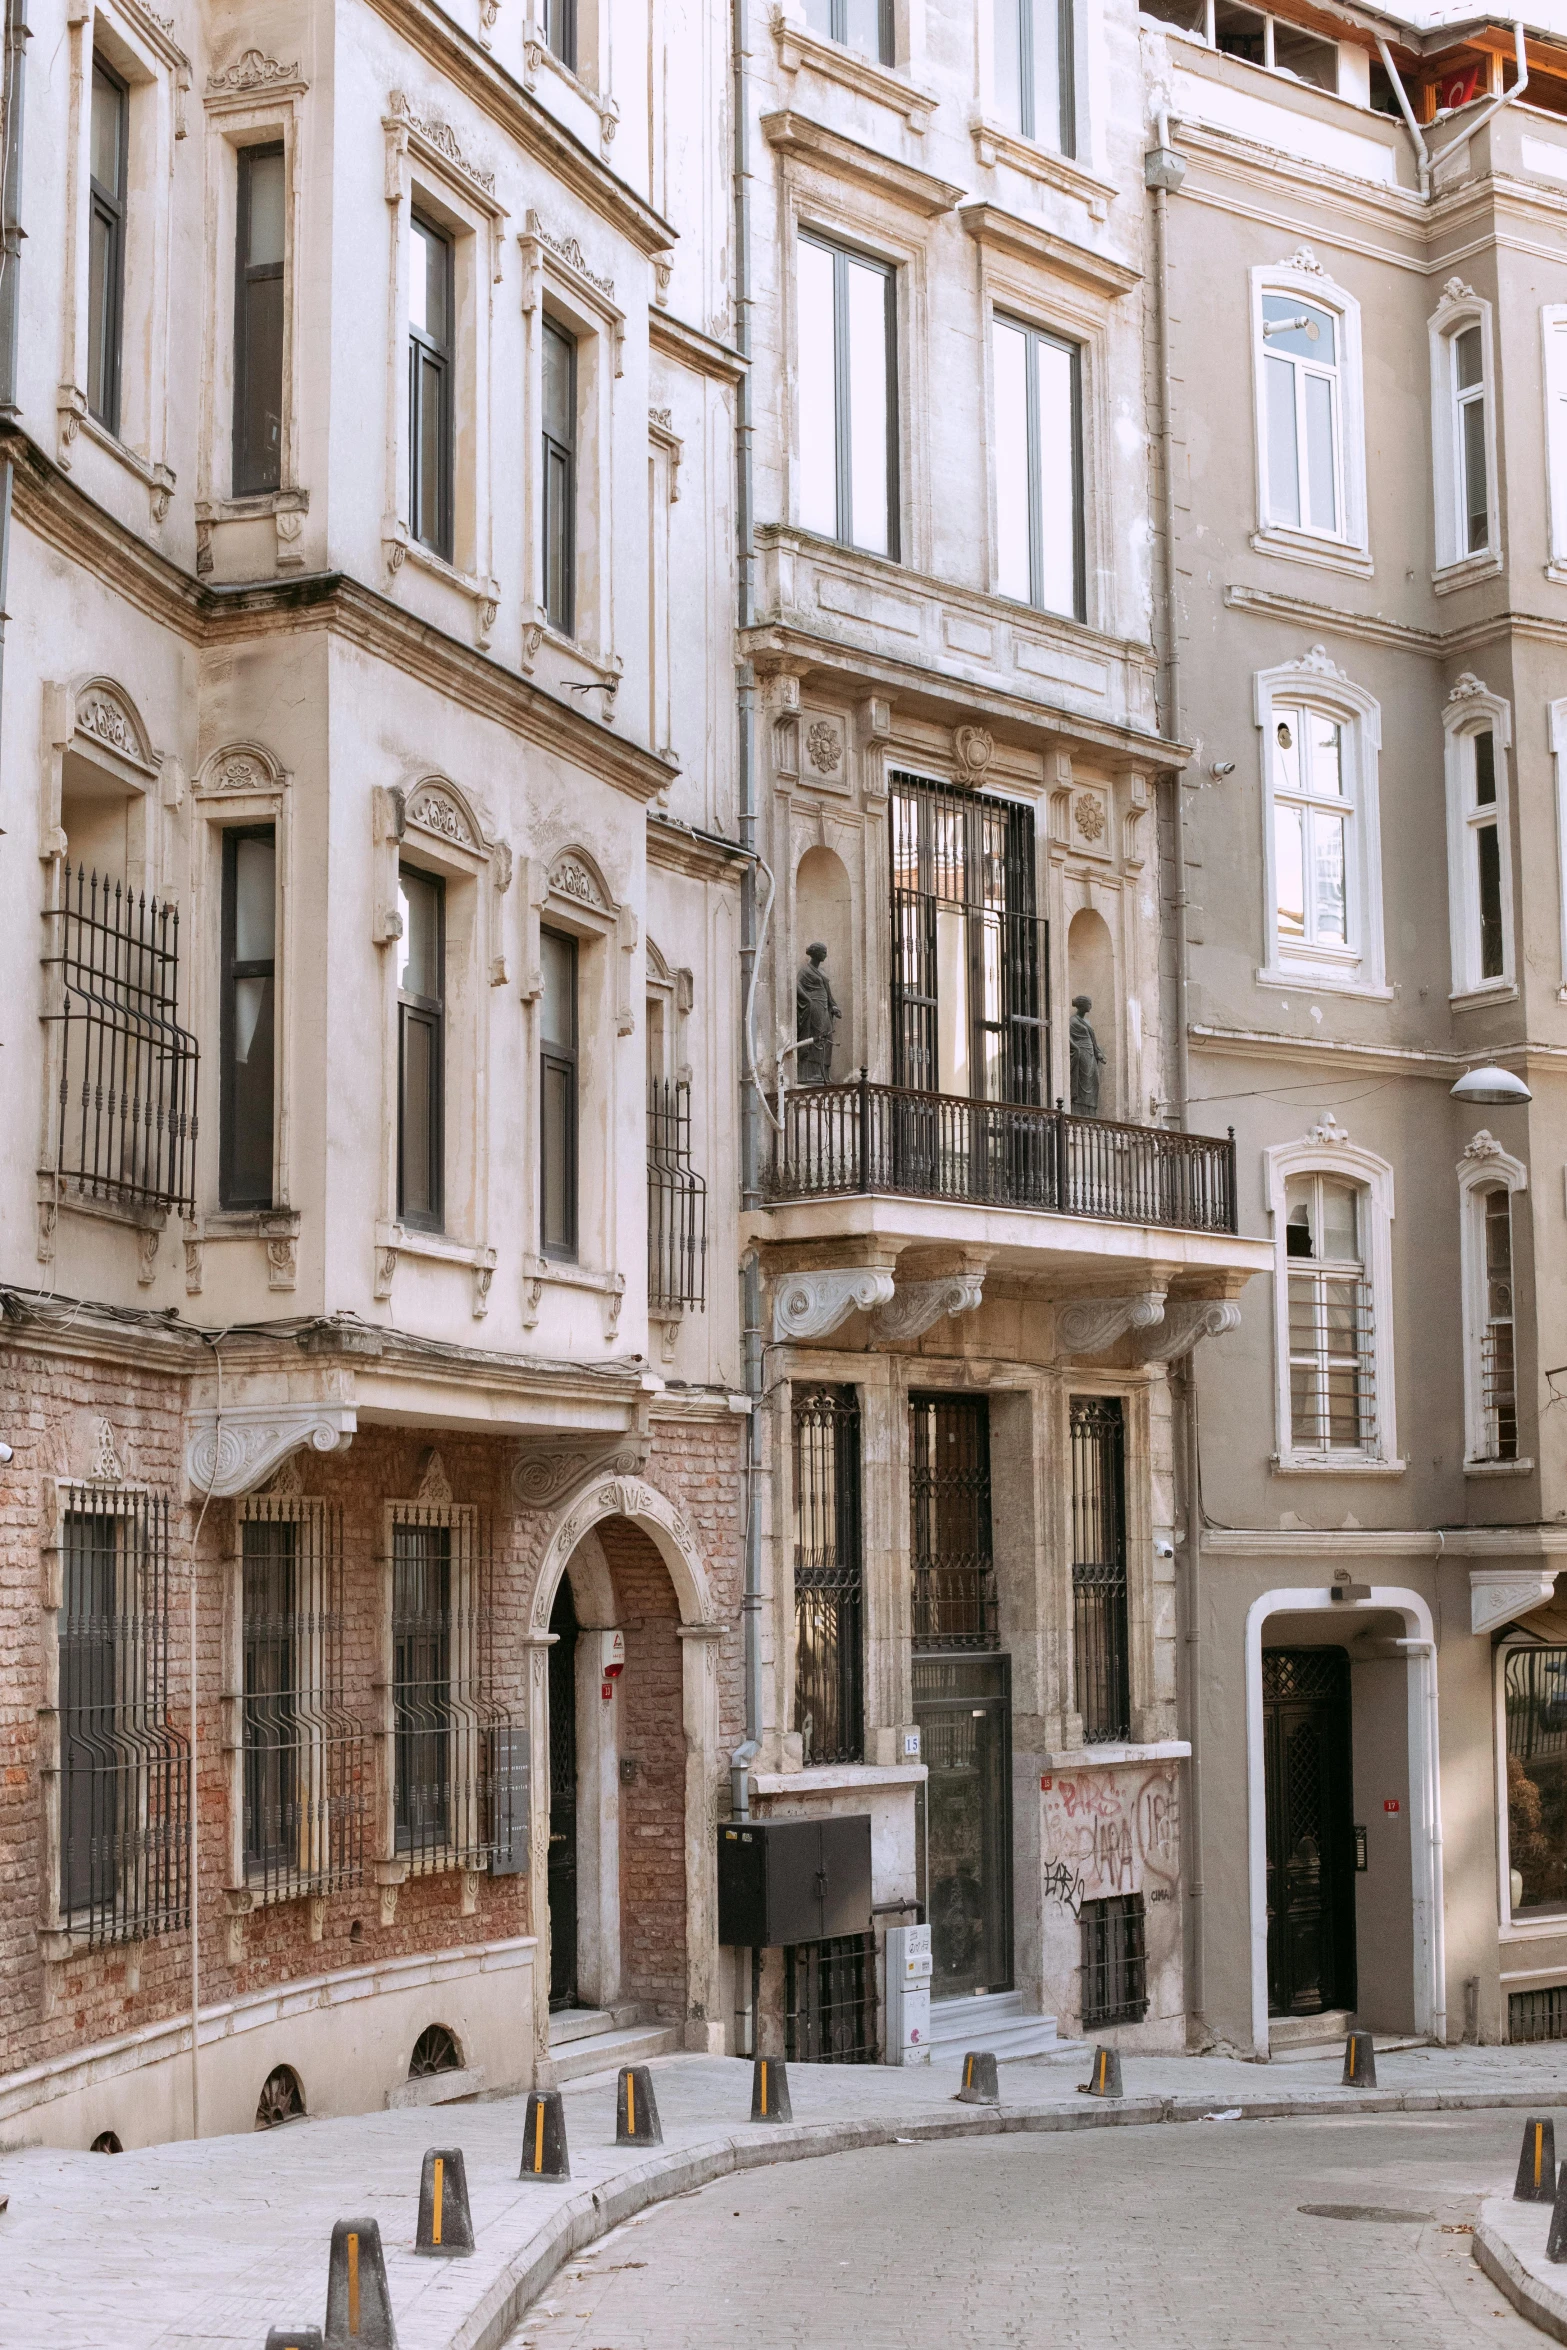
[(108, 207), (430, 1010), (425, 1567), (1033, 336), (559, 504), (842, 258), (430, 355), (829, 1574), (954, 1601), (1114, 1961), (249, 478), (560, 1057), (1101, 1623), (232, 970)]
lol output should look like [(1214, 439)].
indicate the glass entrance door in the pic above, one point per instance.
[(963, 1705), (1311, 1856), (563, 1801)]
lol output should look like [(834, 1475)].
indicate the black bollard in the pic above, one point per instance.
[(1360, 2062), (1104, 2079), (1537, 2163), (445, 2221), (358, 2305), (979, 2079), (770, 2090), (294, 2338), (544, 2137), (636, 2108)]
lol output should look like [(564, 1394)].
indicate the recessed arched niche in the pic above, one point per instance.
[(1090, 968), (824, 914)]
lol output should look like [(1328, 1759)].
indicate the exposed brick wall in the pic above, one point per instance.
[(653, 1800)]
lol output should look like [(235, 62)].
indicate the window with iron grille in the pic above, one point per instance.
[(1537, 2015), (1115, 1967), (676, 1200), (450, 1739), (1100, 1643), (830, 2001), (305, 1756), (1534, 1682), (969, 985), (126, 1098), (124, 1766), (828, 1576), (1332, 1356), (949, 1475)]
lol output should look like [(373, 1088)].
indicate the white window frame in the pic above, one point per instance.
[(1484, 1167), (1327, 1150), (1456, 565), (1553, 337), (1348, 548), (1358, 968), (1472, 710)]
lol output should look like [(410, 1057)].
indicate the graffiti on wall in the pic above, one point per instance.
[(1108, 1832)]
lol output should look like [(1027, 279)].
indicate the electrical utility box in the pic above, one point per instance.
[(793, 1880), (909, 1966)]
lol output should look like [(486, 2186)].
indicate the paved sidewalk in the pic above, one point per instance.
[(202, 2247)]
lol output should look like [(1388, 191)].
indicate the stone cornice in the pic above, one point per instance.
[(701, 856), (435, 36), (796, 135), (1001, 231), (703, 353), (60, 514)]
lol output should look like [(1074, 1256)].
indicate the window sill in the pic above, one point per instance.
[(250, 1224), (1449, 577), (1537, 1926), (394, 1241), (75, 417), (994, 144), (867, 77), (400, 546), (537, 55), (1112, 1757), (1323, 980), (1523, 1468), (1298, 546), (826, 1778), (1474, 999), (1557, 569), (541, 1273), (1322, 1464)]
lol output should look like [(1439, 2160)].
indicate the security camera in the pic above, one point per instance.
[(1221, 768), (6, 1455), (1164, 1550)]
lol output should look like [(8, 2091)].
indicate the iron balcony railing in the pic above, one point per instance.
[(860, 1137)]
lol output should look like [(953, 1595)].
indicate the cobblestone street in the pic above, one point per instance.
[(1151, 2237)]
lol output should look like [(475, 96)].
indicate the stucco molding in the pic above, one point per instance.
[(813, 1305), (916, 1305), (235, 1450), (1091, 1325), (1499, 1595)]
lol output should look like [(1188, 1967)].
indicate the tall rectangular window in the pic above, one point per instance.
[(558, 1096), (1468, 364), (421, 1049), (430, 423), (1482, 822), (560, 31), (1100, 1639), (848, 397), (560, 478), (304, 1777), (422, 1723), (1498, 1360), (109, 157), (865, 25), (248, 1044), (1332, 1359), (1312, 813), (1034, 70), (1304, 399), (828, 1576), (258, 323), (949, 1477), (1039, 468), (272, 1697)]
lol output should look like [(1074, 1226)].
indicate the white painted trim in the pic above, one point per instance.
[(1484, 1167), (1304, 277), (1425, 1797), (1318, 683), (1459, 309), (1470, 710), (1319, 1153)]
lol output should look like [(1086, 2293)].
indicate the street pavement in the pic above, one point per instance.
[(1157, 2238)]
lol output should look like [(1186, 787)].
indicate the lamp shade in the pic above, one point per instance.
[(1491, 1085)]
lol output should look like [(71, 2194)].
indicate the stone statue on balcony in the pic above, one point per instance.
[(816, 1011), (1086, 1057)]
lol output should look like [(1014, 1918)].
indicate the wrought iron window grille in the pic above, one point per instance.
[(1537, 2015), (1332, 1350), (1114, 1962), (829, 1710), (676, 1201), (1100, 1636), (126, 1091), (949, 1475), (435, 2051), (306, 1757), (124, 1765), (458, 1801), (830, 2001)]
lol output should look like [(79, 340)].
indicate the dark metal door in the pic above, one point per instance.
[(963, 1705), (563, 1801), (1311, 1861)]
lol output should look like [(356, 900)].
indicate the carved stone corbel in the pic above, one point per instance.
[(1186, 1321), (390, 1876), (235, 1450), (1090, 1325), (1499, 1595), (547, 1469), (812, 1305), (916, 1305)]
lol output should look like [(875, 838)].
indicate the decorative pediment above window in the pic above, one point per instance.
[(254, 74), (575, 876), (412, 140), (105, 714), (241, 771), (435, 808), (440, 138)]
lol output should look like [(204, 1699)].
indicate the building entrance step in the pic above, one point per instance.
[(996, 2020)]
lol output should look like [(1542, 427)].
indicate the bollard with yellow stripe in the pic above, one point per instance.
[(1104, 2076), (636, 2111), (980, 2086), (544, 2137), (770, 2090), (445, 2221), (358, 2305), (1360, 2062), (1537, 2162)]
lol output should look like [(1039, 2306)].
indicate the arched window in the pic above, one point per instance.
[(1463, 434), (435, 2051), (1320, 742), (1332, 1206), (1311, 487), (1477, 728), (281, 2100), (1488, 1177)]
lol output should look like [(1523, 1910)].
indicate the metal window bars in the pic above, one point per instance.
[(949, 1475), (1100, 1642), (459, 1785), (124, 1766), (1114, 1962), (126, 1091), (306, 1757), (1333, 1398), (830, 2001), (829, 1710), (676, 1201), (1498, 1393)]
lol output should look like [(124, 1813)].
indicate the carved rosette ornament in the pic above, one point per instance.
[(916, 1305), (234, 1451), (812, 1305)]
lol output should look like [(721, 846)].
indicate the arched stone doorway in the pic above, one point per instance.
[(642, 1907)]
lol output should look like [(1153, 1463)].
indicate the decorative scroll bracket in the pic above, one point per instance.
[(1090, 1325), (544, 1472), (236, 1450), (1498, 1595), (1186, 1321), (812, 1305), (916, 1305)]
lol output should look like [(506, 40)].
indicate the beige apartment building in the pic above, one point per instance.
[(1364, 272), (368, 1182)]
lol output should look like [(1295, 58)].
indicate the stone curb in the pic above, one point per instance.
[(583, 2218), (1529, 2294)]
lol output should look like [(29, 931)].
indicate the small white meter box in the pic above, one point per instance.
[(909, 1967)]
